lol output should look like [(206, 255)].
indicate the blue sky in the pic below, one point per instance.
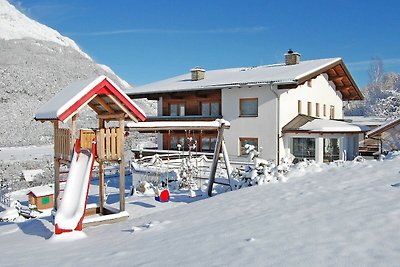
[(146, 41)]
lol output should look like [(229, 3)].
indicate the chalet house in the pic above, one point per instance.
[(291, 108)]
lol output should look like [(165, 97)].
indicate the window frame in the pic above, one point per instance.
[(210, 103), (303, 141), (179, 106), (241, 100)]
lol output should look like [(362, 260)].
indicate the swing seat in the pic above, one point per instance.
[(163, 196)]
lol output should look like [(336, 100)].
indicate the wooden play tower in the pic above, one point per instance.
[(110, 104)]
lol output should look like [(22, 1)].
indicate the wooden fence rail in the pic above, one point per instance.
[(62, 143), (109, 144)]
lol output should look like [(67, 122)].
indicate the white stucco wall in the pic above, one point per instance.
[(263, 127), (321, 91)]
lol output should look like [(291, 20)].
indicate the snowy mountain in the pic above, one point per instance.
[(15, 25), (35, 63)]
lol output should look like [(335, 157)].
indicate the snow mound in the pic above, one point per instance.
[(15, 25), (67, 237)]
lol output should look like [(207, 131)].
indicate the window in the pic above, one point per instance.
[(332, 113), (299, 107), (324, 110), (247, 140), (208, 143), (303, 148), (309, 108), (210, 109), (317, 109), (46, 200), (175, 140), (177, 109), (249, 107), (331, 149)]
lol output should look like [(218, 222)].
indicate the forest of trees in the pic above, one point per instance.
[(382, 94)]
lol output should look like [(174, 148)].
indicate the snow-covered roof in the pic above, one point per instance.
[(304, 123), (325, 125), (224, 78), (383, 127), (369, 121), (29, 175), (100, 93), (178, 125), (42, 191)]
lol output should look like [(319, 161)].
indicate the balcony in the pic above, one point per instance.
[(184, 118)]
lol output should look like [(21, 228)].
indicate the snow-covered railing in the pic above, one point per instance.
[(62, 143)]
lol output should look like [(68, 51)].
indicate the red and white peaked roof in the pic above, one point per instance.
[(101, 94)]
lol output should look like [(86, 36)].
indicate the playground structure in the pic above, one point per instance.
[(104, 145)]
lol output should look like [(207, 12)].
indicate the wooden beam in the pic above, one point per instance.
[(95, 108), (73, 130), (123, 108), (56, 169), (101, 186), (214, 165), (104, 104), (343, 88), (337, 78), (121, 166), (113, 116)]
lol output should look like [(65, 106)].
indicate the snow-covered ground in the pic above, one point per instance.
[(10, 154), (344, 215)]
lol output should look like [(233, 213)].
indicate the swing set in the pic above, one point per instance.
[(189, 126)]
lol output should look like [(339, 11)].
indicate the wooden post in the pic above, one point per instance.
[(100, 145), (56, 168), (101, 186), (217, 150), (121, 166), (73, 130)]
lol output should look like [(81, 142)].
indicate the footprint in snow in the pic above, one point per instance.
[(147, 226)]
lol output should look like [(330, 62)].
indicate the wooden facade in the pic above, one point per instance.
[(192, 101), (198, 105)]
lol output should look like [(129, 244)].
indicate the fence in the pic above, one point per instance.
[(62, 142)]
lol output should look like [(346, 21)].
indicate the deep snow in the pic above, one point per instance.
[(344, 215)]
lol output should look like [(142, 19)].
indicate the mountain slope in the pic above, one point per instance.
[(35, 63)]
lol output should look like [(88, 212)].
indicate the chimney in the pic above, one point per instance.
[(197, 73), (292, 58)]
